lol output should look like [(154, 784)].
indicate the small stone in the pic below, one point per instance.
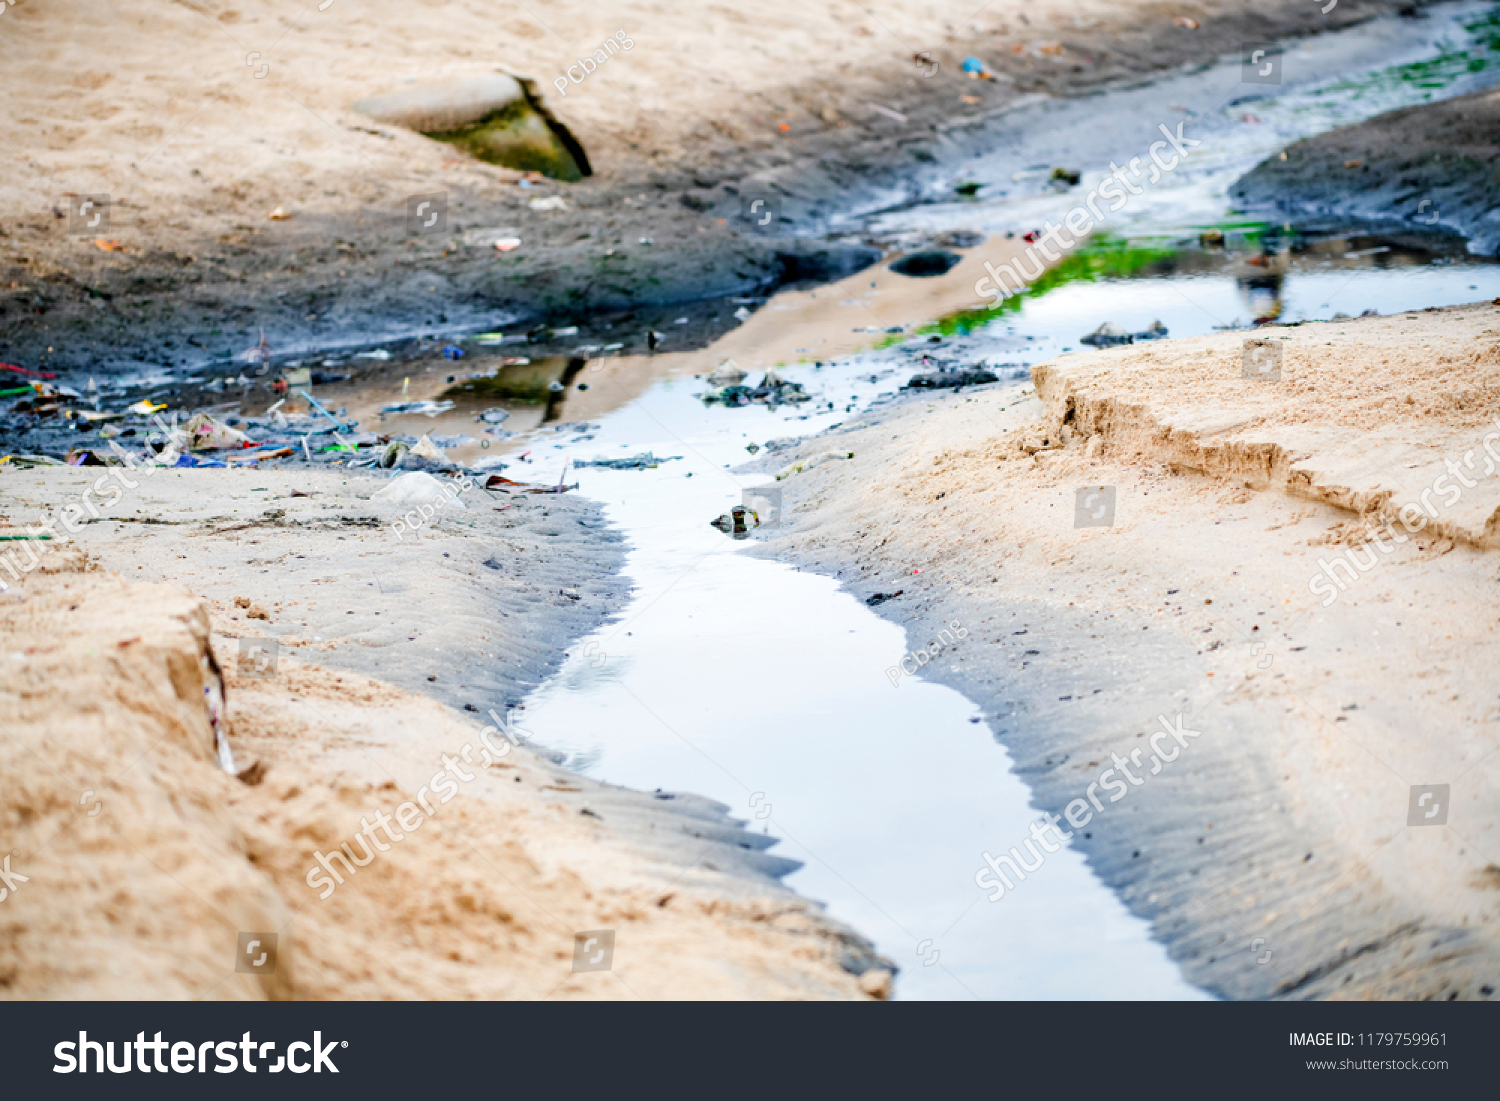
[(876, 982)]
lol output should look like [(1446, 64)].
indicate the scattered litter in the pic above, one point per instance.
[(452, 351), (426, 408), (144, 408), (728, 373), (552, 202), (418, 488), (646, 461), (951, 378), (109, 244), (24, 371), (507, 485), (975, 69), (742, 314), (752, 447), (888, 113), (808, 464), (569, 330), (1110, 336), (1184, 21), (773, 390), (782, 443), (733, 523), (278, 215), (426, 449), (206, 434), (1068, 176), (508, 244), (495, 415), (881, 598), (392, 454), (571, 594)]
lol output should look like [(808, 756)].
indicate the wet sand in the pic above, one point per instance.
[(223, 114)]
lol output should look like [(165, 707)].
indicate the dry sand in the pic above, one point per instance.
[(145, 860), (1274, 856)]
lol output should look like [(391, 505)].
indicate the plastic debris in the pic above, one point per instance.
[(975, 69), (426, 449), (206, 434), (646, 461), (508, 244), (418, 488), (1110, 336), (552, 202), (452, 351), (728, 373), (952, 378), (508, 485), (878, 599), (494, 415), (737, 522), (426, 408), (808, 464), (773, 390)]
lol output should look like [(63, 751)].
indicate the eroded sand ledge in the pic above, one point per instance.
[(1273, 856)]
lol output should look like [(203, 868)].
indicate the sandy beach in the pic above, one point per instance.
[(1268, 553)]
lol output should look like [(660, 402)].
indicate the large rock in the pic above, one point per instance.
[(499, 118), (434, 108)]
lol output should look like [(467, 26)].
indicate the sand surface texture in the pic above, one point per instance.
[(1273, 854), (145, 859)]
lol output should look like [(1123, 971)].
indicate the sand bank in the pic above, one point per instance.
[(145, 860), (1273, 852)]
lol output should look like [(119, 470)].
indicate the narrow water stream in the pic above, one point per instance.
[(765, 688)]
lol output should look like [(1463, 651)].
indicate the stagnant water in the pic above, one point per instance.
[(764, 687)]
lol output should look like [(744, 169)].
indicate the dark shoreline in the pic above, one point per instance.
[(321, 282), (1434, 166)]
